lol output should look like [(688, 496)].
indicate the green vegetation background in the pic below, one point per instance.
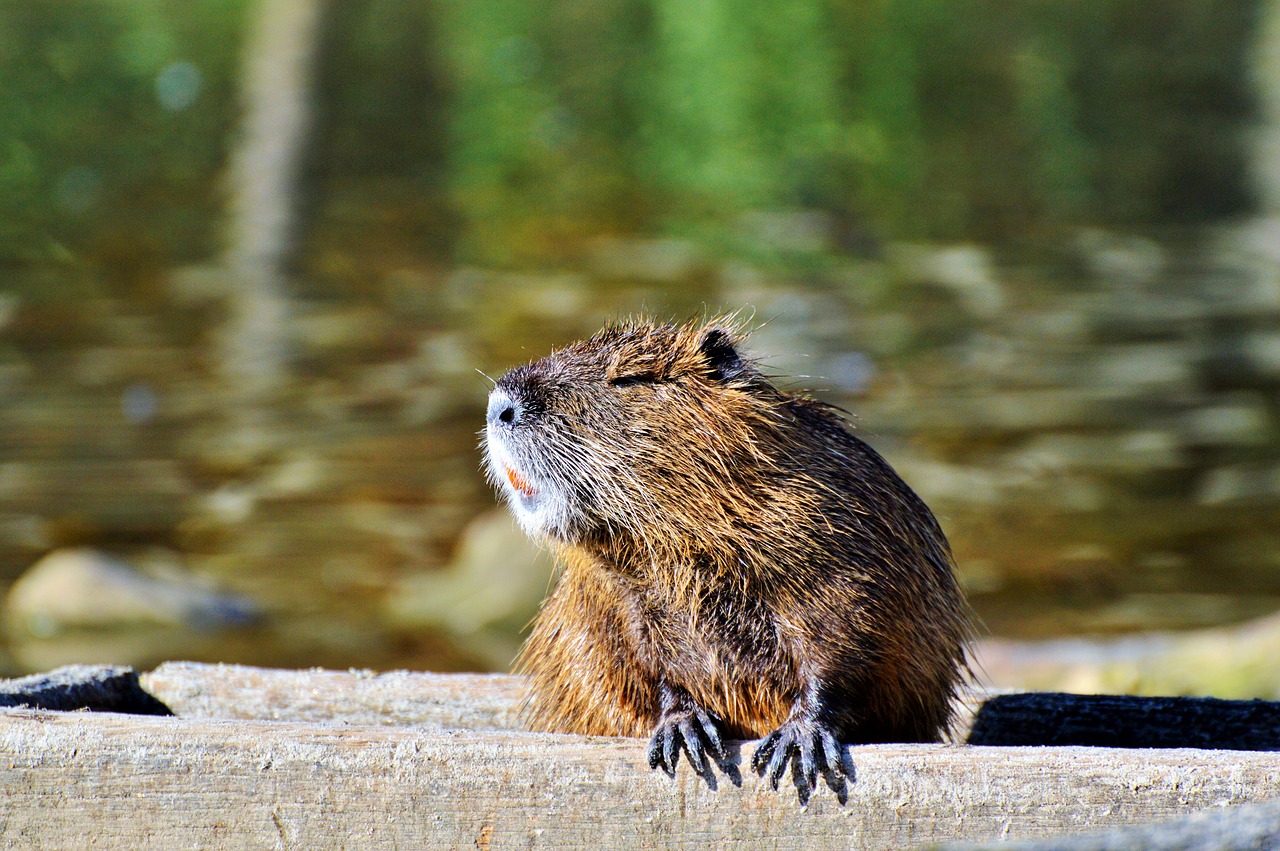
[(506, 131)]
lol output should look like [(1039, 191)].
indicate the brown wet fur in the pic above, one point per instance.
[(727, 538)]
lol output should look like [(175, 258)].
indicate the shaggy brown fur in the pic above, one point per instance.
[(735, 562)]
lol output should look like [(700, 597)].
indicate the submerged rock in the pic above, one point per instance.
[(489, 592), (84, 588), (965, 270), (1233, 662)]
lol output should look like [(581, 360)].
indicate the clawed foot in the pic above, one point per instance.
[(694, 729), (808, 746)]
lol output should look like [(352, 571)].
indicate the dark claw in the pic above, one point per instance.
[(778, 764), (832, 761), (761, 757), (810, 748), (670, 749), (655, 751), (808, 768), (697, 730), (710, 729), (692, 746)]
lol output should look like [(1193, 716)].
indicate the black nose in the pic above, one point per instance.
[(503, 410)]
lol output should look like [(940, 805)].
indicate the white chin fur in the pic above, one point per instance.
[(537, 515)]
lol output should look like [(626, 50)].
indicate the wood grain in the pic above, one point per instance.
[(334, 759), (77, 779)]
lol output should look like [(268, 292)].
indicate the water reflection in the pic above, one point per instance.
[(1097, 432), (383, 199)]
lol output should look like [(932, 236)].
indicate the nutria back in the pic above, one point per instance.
[(724, 546)]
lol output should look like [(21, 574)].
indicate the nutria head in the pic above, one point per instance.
[(650, 433)]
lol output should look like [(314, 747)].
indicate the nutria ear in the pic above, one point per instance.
[(725, 362)]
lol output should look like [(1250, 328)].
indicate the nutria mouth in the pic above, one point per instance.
[(522, 485), (525, 498)]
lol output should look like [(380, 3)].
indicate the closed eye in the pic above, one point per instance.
[(634, 378)]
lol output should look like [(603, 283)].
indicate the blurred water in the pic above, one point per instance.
[(1095, 424), (407, 197)]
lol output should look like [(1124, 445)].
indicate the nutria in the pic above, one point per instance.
[(735, 564)]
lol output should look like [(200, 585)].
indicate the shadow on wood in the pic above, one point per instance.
[(1124, 721), (98, 688)]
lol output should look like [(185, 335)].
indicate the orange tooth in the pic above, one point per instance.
[(519, 482)]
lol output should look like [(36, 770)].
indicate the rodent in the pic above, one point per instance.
[(735, 564)]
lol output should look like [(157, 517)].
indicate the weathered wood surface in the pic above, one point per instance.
[(456, 701), (330, 759), (73, 779), (488, 702), (1254, 827)]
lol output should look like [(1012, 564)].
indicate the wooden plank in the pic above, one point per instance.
[(1253, 827), (455, 701), (378, 760), (78, 779), (488, 702)]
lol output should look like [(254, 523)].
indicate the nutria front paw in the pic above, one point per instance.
[(695, 729), (809, 746)]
